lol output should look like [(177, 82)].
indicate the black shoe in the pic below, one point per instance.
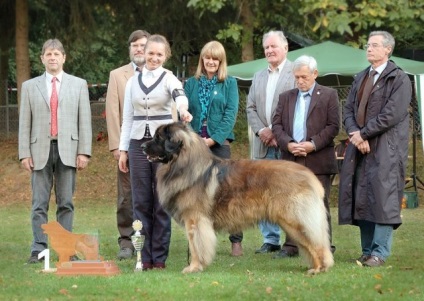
[(74, 258), (284, 254), (34, 257), (333, 249), (125, 253), (267, 248)]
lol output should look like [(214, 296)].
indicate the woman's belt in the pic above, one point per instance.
[(156, 117)]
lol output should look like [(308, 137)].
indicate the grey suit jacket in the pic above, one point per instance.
[(73, 118), (256, 103)]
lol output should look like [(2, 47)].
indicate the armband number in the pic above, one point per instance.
[(178, 92)]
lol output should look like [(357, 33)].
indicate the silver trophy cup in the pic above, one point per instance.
[(137, 240)]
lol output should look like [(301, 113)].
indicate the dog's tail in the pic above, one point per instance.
[(204, 240), (316, 221)]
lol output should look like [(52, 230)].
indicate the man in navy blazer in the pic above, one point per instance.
[(305, 133), (53, 151)]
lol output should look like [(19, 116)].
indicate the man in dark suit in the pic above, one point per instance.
[(305, 124), (54, 139)]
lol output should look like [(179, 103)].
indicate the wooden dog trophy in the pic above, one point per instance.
[(69, 245)]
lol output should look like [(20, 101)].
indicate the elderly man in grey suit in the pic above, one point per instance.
[(114, 110), (262, 100), (54, 139)]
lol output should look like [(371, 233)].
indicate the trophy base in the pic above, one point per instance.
[(95, 268)]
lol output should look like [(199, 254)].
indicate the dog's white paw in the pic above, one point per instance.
[(193, 269), (313, 271)]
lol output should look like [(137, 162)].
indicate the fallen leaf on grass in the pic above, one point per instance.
[(377, 287), (378, 276), (406, 268), (359, 263), (268, 290), (64, 291), (215, 283)]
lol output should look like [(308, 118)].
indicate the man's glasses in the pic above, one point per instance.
[(373, 45), (137, 45)]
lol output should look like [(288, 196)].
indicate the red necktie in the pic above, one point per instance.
[(53, 108)]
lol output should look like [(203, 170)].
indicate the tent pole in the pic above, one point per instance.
[(414, 176)]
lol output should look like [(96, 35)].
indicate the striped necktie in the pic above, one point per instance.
[(360, 116)]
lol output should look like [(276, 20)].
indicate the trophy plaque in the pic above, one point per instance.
[(137, 241), (78, 253)]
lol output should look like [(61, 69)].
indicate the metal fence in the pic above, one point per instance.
[(9, 119)]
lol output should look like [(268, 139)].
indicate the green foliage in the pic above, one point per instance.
[(232, 32), (204, 5), (353, 20), (95, 33)]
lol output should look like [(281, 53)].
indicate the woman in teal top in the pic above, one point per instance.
[(213, 102)]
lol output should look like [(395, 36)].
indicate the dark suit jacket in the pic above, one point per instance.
[(322, 126)]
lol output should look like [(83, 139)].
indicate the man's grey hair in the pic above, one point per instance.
[(305, 60), (54, 44), (388, 39), (277, 33)]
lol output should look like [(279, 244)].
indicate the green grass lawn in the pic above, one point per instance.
[(250, 277)]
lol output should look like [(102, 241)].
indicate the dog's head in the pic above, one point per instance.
[(166, 143), (51, 227)]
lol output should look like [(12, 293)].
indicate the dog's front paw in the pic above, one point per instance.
[(314, 271), (193, 269)]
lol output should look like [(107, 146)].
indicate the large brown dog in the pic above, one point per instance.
[(205, 193)]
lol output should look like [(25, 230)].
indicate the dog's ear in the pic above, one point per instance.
[(173, 147)]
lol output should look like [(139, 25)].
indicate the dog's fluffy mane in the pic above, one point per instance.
[(187, 157)]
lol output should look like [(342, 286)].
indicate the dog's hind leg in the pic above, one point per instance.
[(306, 248), (312, 253), (327, 259), (322, 259), (313, 246), (202, 243)]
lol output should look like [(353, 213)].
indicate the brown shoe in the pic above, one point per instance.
[(147, 266), (159, 265), (363, 258), (374, 261), (236, 249)]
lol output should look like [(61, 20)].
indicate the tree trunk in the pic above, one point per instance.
[(247, 19), (6, 42), (22, 47)]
